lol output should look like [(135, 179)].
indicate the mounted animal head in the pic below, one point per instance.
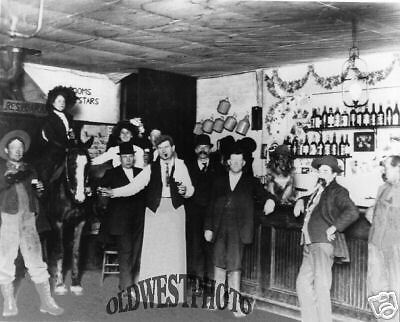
[(77, 169)]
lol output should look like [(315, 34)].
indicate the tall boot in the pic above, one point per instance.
[(47, 303), (9, 306), (234, 303)]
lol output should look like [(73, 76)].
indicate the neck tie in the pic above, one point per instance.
[(166, 174), (204, 166)]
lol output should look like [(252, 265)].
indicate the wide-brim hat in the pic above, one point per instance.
[(282, 150), (202, 139), (67, 92), (226, 144), (15, 134), (126, 148), (248, 145), (328, 160), (125, 125)]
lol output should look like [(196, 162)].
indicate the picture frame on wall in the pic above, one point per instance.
[(264, 151), (364, 141)]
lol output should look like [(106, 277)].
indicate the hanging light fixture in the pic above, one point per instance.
[(354, 76)]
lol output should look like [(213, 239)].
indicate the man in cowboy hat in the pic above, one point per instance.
[(126, 216), (18, 204), (203, 170), (328, 212)]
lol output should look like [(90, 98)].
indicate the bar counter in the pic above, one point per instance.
[(271, 264)]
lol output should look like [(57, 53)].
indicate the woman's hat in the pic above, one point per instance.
[(67, 92), (202, 139), (126, 148), (125, 125), (328, 160), (248, 145), (282, 150), (16, 134)]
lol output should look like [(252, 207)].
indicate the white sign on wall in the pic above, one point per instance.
[(99, 97)]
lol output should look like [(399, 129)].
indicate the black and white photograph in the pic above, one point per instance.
[(181, 160)]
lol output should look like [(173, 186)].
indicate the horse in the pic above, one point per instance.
[(68, 213)]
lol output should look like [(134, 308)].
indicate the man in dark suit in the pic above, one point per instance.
[(328, 212), (203, 172), (126, 217), (230, 223)]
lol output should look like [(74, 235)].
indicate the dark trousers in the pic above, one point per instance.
[(129, 246), (198, 250)]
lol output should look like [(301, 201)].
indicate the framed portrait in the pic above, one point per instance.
[(264, 151), (364, 141)]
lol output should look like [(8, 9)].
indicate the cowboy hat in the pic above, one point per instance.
[(328, 160), (15, 134)]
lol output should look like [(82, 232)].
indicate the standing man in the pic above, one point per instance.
[(18, 205), (328, 212), (126, 216), (164, 239), (230, 222), (203, 172), (384, 242)]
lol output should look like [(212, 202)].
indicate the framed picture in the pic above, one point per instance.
[(264, 151), (364, 141)]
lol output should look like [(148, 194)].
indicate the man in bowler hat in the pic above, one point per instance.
[(203, 171), (328, 212), (126, 216)]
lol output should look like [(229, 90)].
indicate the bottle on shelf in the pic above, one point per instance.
[(389, 115), (334, 146), (324, 118), (286, 142), (320, 146), (347, 145), (336, 117), (353, 117), (342, 146), (366, 117), (344, 118), (313, 146), (380, 119), (331, 118), (373, 116), (327, 146), (306, 147), (295, 146), (313, 118), (396, 115), (300, 147), (318, 119), (359, 117)]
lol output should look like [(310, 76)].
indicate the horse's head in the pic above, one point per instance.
[(77, 166)]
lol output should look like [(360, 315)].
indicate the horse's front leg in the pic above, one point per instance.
[(76, 287), (60, 288)]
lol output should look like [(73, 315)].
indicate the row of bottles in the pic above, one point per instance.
[(322, 147), (360, 117)]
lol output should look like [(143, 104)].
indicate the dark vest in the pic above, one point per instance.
[(154, 189)]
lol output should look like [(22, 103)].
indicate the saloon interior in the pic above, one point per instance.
[(173, 62)]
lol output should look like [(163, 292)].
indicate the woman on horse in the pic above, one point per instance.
[(57, 130)]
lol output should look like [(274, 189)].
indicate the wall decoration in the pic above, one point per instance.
[(364, 142)]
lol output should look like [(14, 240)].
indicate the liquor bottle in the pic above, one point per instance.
[(344, 118), (324, 118), (396, 115), (313, 118), (334, 145), (347, 145), (318, 119), (380, 119), (342, 146), (389, 115), (306, 147), (374, 116), (320, 146), (359, 117), (336, 117), (300, 147), (331, 118), (295, 146), (366, 119), (286, 142), (313, 147), (327, 146), (353, 117)]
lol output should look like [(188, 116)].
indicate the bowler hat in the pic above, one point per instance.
[(202, 139), (226, 144), (126, 148), (328, 160), (15, 134)]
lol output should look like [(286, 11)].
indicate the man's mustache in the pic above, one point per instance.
[(322, 182)]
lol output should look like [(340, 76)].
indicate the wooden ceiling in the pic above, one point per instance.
[(201, 38)]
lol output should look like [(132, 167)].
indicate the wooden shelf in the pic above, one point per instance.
[(320, 156), (336, 128)]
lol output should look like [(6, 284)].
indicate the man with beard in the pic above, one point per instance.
[(384, 242), (328, 212), (202, 172)]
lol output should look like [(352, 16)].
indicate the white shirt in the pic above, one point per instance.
[(234, 179), (139, 182), (201, 162), (128, 173), (312, 203), (112, 154), (166, 191)]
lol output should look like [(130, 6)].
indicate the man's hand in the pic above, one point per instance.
[(105, 192), (181, 189), (298, 208), (208, 235), (330, 233), (269, 206), (369, 214), (39, 186)]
